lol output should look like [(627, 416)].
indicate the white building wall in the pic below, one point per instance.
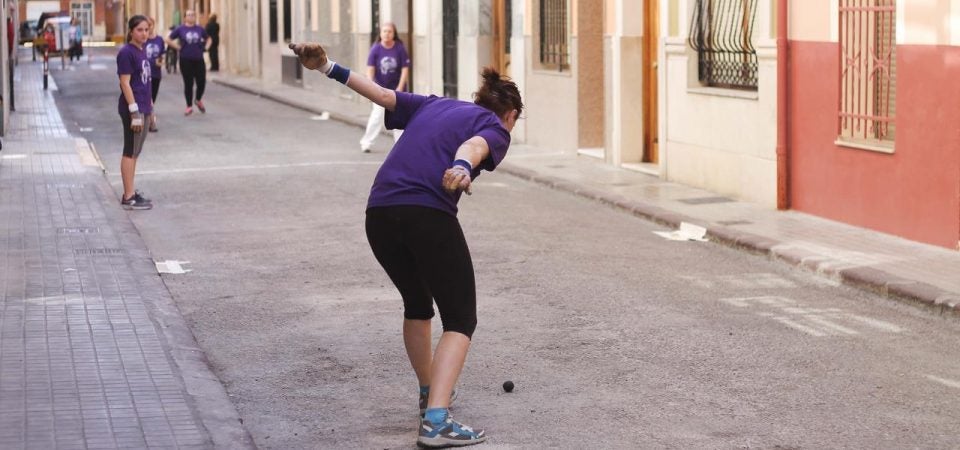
[(550, 96), (722, 140)]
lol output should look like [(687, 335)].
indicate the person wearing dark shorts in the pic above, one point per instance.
[(156, 48), (412, 224), (191, 41), (135, 106)]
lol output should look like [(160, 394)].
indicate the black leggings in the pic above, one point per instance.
[(193, 70), (425, 255), (155, 88)]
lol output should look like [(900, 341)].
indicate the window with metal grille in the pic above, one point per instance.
[(868, 50), (553, 34), (721, 32)]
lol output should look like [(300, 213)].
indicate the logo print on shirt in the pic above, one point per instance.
[(192, 37), (153, 50), (145, 72), (388, 64)]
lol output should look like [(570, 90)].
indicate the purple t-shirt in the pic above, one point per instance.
[(192, 41), (155, 48), (434, 128), (133, 61), (387, 63)]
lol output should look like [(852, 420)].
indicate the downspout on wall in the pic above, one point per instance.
[(783, 150)]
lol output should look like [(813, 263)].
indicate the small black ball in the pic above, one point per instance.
[(508, 386)]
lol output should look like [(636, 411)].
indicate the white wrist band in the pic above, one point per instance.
[(133, 107), (327, 67)]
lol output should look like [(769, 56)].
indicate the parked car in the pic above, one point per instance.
[(28, 31)]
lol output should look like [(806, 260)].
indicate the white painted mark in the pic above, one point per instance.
[(259, 167), (741, 281), (172, 267), (797, 326), (97, 66), (323, 116), (86, 129), (813, 321), (878, 324), (944, 381), (830, 325), (745, 302), (14, 156)]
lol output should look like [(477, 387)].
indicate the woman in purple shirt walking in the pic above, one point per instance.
[(412, 224), (135, 106), (389, 66), (191, 41)]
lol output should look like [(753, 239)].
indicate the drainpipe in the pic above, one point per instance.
[(783, 122)]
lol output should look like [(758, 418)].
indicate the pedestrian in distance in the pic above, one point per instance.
[(75, 33), (135, 106), (389, 66), (412, 226), (155, 48), (213, 30), (191, 41)]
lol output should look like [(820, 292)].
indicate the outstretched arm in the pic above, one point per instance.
[(314, 57)]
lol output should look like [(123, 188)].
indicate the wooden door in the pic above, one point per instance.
[(501, 35), (651, 46)]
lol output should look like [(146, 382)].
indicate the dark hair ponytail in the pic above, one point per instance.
[(498, 93), (133, 22)]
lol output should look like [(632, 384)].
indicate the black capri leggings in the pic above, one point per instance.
[(193, 70), (426, 256)]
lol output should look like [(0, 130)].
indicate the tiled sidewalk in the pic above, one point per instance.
[(891, 266), (93, 353)]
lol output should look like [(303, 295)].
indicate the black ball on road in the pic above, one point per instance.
[(508, 386)]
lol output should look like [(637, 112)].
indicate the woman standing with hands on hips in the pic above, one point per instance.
[(155, 49), (135, 106), (412, 224), (389, 66), (191, 40)]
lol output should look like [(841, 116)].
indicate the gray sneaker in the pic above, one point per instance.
[(448, 433), (423, 401), (136, 202)]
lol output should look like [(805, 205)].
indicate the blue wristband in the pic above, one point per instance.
[(339, 73), (465, 164)]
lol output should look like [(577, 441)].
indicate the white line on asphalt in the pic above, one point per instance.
[(797, 326), (944, 381), (885, 326), (828, 324), (262, 166)]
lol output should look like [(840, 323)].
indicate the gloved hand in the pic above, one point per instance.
[(312, 56)]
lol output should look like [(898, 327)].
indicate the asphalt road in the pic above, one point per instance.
[(614, 337)]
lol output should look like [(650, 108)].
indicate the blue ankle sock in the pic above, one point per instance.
[(424, 390), (436, 415)]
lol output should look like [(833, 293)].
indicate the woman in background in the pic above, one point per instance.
[(155, 48), (389, 66)]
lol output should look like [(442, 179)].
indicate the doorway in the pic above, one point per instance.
[(651, 53)]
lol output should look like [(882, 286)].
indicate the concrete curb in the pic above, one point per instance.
[(866, 278), (877, 281)]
